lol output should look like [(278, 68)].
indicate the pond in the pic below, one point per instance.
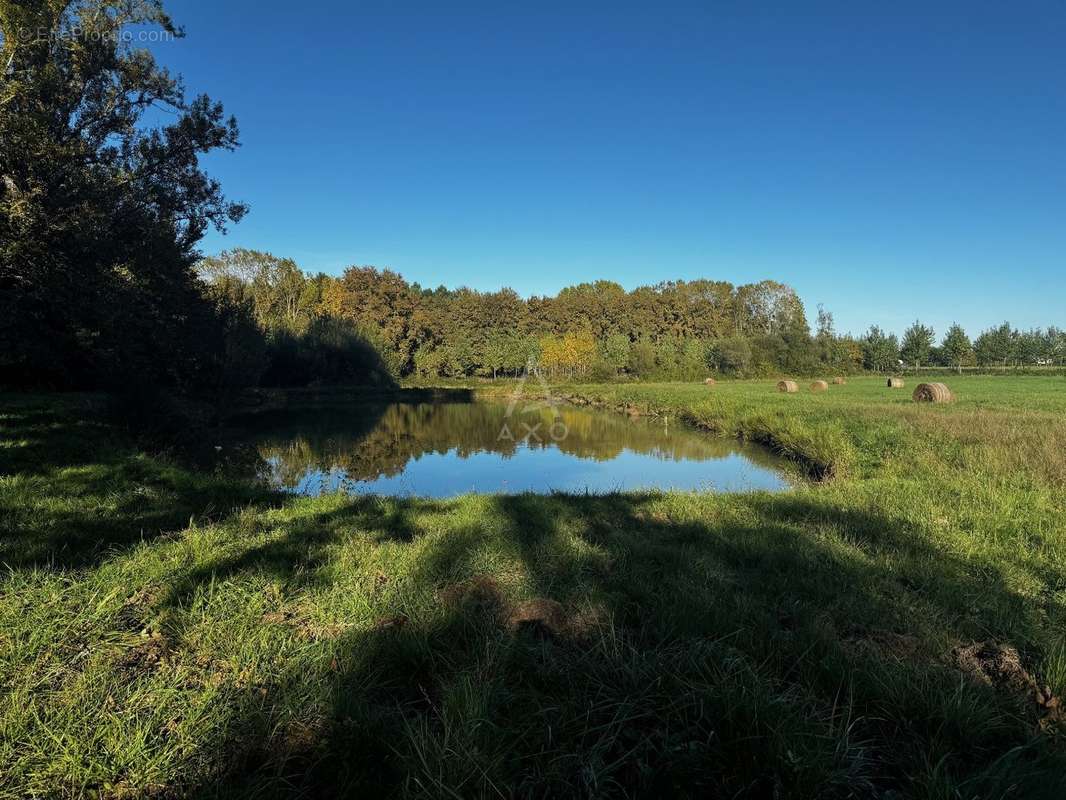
[(442, 449)]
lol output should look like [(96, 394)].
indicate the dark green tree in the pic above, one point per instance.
[(880, 351), (995, 345), (100, 211), (493, 355), (642, 359), (832, 351), (732, 355), (615, 351), (1030, 348), (956, 346), (917, 342)]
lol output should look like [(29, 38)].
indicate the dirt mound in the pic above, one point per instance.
[(298, 739), (393, 623), (478, 593), (540, 617), (136, 612), (543, 618), (286, 616), (1000, 666), (993, 665), (586, 622), (146, 656), (303, 625)]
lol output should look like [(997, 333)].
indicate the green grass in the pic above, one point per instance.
[(168, 633)]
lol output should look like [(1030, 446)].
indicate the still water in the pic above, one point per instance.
[(449, 448)]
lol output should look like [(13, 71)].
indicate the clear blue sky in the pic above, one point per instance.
[(890, 160)]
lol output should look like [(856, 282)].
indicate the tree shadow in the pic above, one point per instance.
[(632, 646), (78, 490)]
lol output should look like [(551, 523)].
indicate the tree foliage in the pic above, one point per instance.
[(880, 350), (917, 343), (956, 346), (100, 211)]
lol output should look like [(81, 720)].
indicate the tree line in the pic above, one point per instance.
[(998, 346), (672, 330)]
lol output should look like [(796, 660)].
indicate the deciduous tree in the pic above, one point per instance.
[(956, 346), (917, 342), (101, 208)]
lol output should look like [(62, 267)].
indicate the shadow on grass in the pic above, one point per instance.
[(764, 645), (77, 490), (789, 650)]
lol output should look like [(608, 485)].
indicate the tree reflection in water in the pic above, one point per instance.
[(352, 446)]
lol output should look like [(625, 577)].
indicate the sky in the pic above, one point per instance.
[(891, 161)]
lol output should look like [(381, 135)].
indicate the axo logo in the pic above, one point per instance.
[(525, 418)]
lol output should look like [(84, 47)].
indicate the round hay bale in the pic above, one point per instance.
[(839, 381), (709, 382), (788, 387), (895, 383), (819, 386), (933, 393)]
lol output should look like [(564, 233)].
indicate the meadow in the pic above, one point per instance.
[(894, 626)]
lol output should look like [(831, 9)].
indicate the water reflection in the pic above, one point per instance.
[(443, 449)]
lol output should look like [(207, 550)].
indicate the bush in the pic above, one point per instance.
[(732, 356), (601, 371), (642, 359)]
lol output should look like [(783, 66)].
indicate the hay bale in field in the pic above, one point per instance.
[(933, 393), (788, 387), (839, 381), (709, 382), (895, 383), (819, 386)]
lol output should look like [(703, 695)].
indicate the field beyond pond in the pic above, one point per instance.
[(897, 629)]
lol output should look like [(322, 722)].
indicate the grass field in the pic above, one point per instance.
[(895, 630)]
